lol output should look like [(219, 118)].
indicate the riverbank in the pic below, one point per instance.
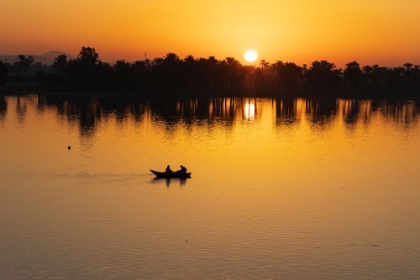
[(24, 89)]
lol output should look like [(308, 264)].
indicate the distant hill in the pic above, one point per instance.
[(54, 54), (46, 58)]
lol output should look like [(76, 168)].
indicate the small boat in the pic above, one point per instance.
[(176, 174)]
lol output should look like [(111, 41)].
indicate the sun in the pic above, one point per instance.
[(250, 56)]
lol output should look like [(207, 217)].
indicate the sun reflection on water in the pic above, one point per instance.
[(249, 112)]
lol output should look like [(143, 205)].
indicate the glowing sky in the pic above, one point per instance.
[(384, 32)]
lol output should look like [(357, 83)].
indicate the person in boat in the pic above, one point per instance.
[(183, 169), (168, 169)]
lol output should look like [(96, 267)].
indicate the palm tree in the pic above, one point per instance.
[(157, 61), (408, 73), (323, 74), (249, 74), (416, 76), (170, 64), (25, 61), (214, 77), (367, 74), (353, 74), (407, 66), (264, 64), (232, 73), (141, 72), (188, 71), (60, 63), (288, 74), (3, 73), (123, 74)]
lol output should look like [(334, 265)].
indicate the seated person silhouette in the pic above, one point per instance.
[(182, 171), (168, 169)]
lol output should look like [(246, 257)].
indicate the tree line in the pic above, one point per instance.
[(87, 73)]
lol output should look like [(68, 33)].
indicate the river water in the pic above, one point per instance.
[(280, 189)]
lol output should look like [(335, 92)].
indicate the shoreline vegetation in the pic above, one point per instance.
[(173, 77)]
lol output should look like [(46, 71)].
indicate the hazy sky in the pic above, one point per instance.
[(384, 32)]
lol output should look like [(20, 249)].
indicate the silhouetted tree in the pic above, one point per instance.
[(408, 74), (38, 66), (264, 64), (60, 63), (170, 67), (84, 71), (189, 70), (249, 76), (141, 73), (88, 56), (23, 61), (288, 74), (376, 76), (416, 76), (157, 72), (4, 72), (123, 74), (353, 74), (88, 73), (203, 76), (105, 77), (215, 78), (232, 73), (3, 106), (265, 74), (367, 75), (395, 78), (323, 75)]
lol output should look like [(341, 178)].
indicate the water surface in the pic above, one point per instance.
[(280, 189)]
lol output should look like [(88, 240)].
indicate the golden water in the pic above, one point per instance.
[(280, 189)]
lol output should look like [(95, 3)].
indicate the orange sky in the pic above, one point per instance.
[(384, 32)]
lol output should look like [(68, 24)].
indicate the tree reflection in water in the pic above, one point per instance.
[(3, 108), (86, 112)]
